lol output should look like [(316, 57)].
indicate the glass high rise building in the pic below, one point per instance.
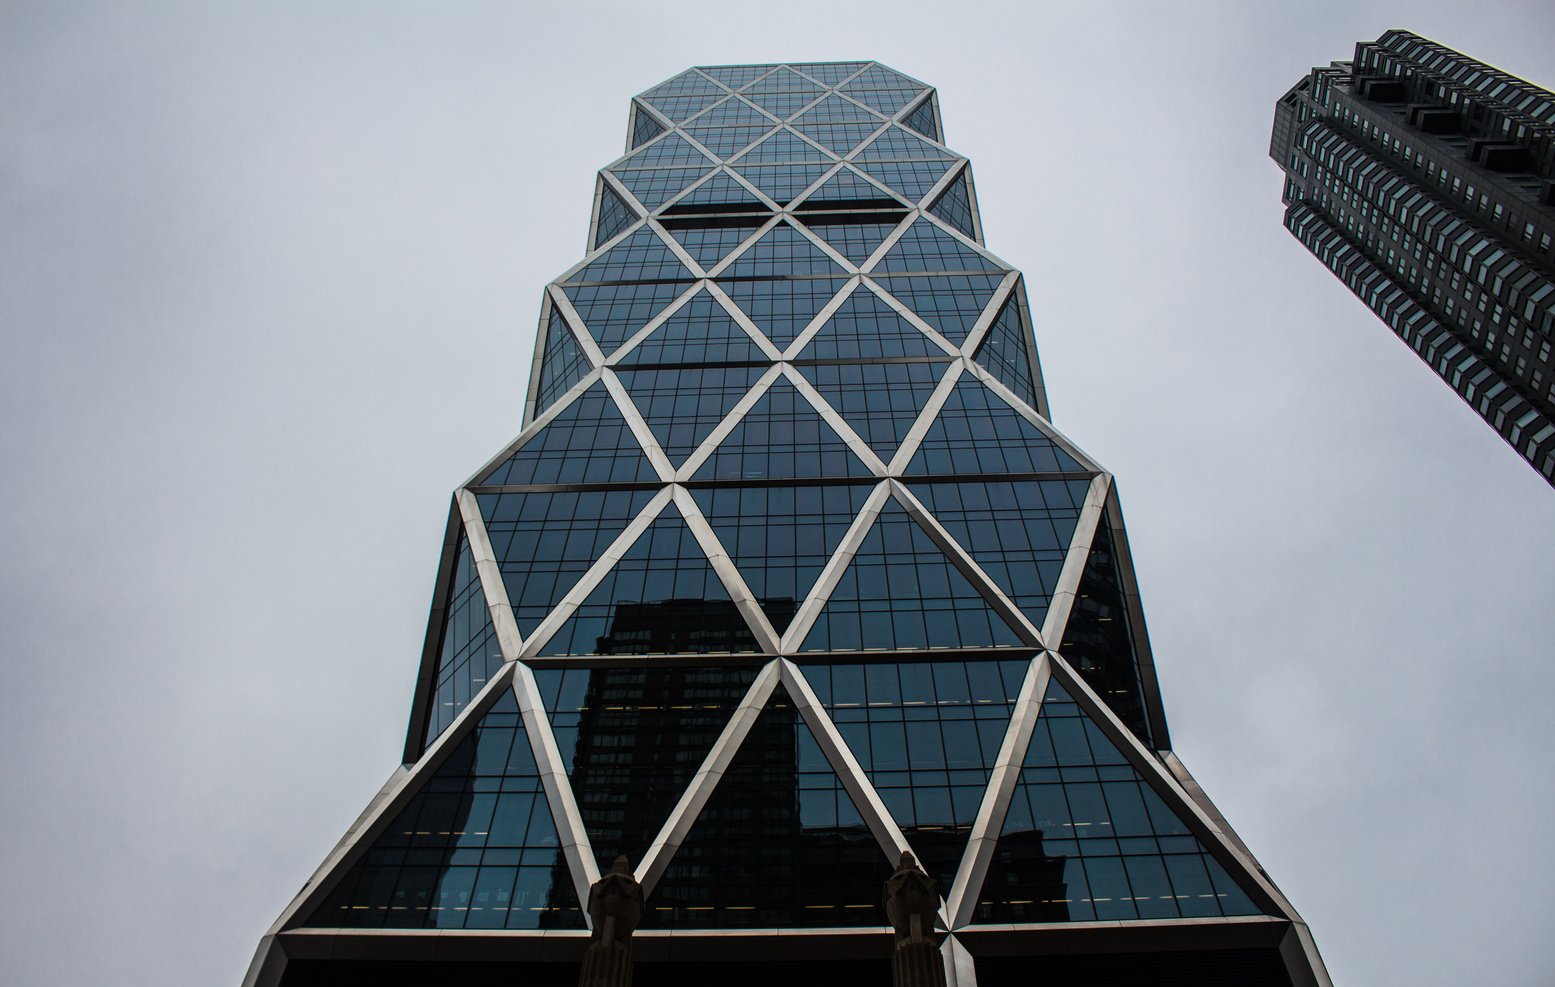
[(1425, 181), (788, 572)]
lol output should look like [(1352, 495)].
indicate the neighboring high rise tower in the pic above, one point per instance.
[(788, 573), (1426, 181)]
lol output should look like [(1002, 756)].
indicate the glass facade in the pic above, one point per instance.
[(1426, 182), (782, 576)]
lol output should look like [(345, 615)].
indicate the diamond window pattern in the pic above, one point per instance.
[(588, 442), (782, 182), (879, 400), (655, 186), (682, 405), (561, 365), (866, 327), (614, 215), (921, 119), (468, 654), (1003, 353), (926, 247), (782, 437), (951, 305), (782, 309), (954, 206), (913, 179), (976, 432), (853, 238), (700, 331), (720, 193)]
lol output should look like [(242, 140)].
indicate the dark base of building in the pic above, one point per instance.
[(1218, 953)]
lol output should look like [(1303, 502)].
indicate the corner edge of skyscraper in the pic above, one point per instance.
[(788, 641), (1425, 181)]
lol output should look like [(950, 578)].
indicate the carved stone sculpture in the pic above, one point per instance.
[(615, 906), (912, 905)]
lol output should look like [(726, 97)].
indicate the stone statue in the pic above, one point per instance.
[(912, 905), (615, 906)]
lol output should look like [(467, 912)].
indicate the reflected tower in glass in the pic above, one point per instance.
[(1425, 180), (788, 572)]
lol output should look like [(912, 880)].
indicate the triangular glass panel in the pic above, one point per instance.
[(614, 312), (1018, 531), (687, 83), (709, 239), (1098, 641), (880, 77), (588, 442), (949, 303), (954, 206), (782, 437), (680, 108), (781, 147), (897, 144), (655, 186), (614, 215), (561, 365), (700, 331), (848, 188), (830, 73), (782, 81), (921, 119), (662, 597), (682, 405), (633, 738), (544, 541), (976, 432), (779, 844), (784, 181), (887, 101), (781, 251), (912, 179), (836, 109), (644, 127), (782, 308), (672, 151), (900, 592), (468, 654), (839, 137), (783, 105), (725, 141), (721, 193), (475, 848), (1087, 838), (926, 247), (734, 76), (1004, 353), (640, 257), (880, 401), (780, 538), (865, 327), (927, 735), (734, 112), (854, 236)]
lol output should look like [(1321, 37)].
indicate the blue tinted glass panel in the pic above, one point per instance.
[(840, 137), (725, 141), (1098, 641), (779, 844), (655, 186), (950, 304), (1018, 531), (828, 73), (912, 179), (469, 654), (835, 109), (612, 313), (734, 113), (782, 437), (782, 309), (880, 77), (853, 239), (783, 146), (683, 405), (700, 331), (475, 848), (900, 592), (783, 105), (976, 432), (545, 540), (927, 734), (782, 81), (780, 537), (926, 247), (879, 400), (719, 191), (1088, 839), (614, 215), (887, 101), (640, 257), (1005, 354), (671, 151), (781, 252), (687, 83), (680, 108), (734, 76), (562, 365), (588, 442), (897, 144), (662, 597), (710, 241), (783, 182), (632, 739), (866, 327), (848, 187), (954, 206), (644, 127), (922, 120)]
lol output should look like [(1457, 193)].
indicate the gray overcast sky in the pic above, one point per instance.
[(269, 276)]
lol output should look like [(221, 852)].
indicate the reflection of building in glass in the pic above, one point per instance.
[(788, 573), (1425, 181)]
